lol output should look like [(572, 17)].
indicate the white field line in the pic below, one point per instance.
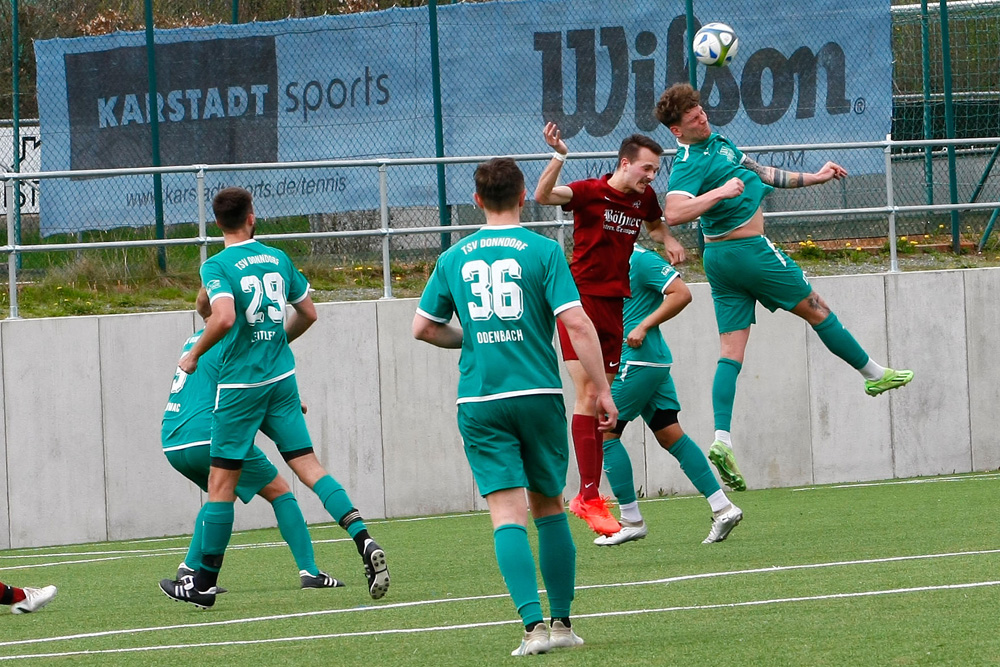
[(420, 603), (923, 480), (122, 554), (37, 552), (467, 626)]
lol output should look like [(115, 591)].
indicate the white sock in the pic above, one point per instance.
[(719, 501), (872, 371), (630, 511), (726, 438)]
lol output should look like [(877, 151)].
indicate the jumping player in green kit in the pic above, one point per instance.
[(507, 286), (186, 436), (712, 179), (249, 285)]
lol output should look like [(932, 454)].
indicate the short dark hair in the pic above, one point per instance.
[(676, 101), (232, 206), (499, 184), (633, 143)]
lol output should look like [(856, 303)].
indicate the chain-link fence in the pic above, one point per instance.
[(248, 85)]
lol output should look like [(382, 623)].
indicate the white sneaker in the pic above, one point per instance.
[(534, 642), (723, 523), (561, 636), (629, 531), (35, 599)]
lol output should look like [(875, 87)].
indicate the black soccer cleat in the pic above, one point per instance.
[(321, 580), (184, 591), (184, 571), (375, 569)]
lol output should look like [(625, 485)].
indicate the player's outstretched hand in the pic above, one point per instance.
[(607, 412), (188, 363), (831, 171), (673, 250), (554, 138)]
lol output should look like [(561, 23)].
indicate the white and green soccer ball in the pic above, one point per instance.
[(715, 45)]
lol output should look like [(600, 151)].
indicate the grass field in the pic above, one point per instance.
[(903, 572)]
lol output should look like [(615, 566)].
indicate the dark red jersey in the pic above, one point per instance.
[(606, 223)]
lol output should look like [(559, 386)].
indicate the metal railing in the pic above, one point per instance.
[(383, 166)]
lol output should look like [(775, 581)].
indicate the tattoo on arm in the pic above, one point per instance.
[(779, 178)]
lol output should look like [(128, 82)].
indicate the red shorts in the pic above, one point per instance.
[(606, 314)]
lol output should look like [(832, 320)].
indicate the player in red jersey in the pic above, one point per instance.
[(608, 213)]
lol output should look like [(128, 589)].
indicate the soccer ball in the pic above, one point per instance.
[(715, 45)]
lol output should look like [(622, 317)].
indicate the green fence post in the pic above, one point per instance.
[(444, 214), (16, 121), (154, 131), (236, 12), (925, 48), (949, 124), (692, 63)]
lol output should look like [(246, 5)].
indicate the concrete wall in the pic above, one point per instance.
[(81, 400)]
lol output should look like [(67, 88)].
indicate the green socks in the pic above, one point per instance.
[(293, 529), (336, 502), (517, 566), (618, 468), (193, 558), (218, 529), (840, 341), (724, 392), (695, 465), (557, 561)]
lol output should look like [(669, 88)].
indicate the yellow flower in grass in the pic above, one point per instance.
[(927, 236), (858, 248), (847, 245), (913, 243), (902, 238)]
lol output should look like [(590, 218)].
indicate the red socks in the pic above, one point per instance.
[(9, 595), (589, 455)]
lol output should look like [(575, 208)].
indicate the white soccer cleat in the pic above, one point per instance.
[(561, 636), (35, 599), (629, 531), (534, 642), (723, 524)]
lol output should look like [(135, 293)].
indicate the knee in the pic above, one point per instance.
[(277, 488)]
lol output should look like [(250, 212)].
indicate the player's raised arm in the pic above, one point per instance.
[(681, 208), (547, 192), (780, 178)]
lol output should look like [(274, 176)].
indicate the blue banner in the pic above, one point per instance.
[(359, 86)]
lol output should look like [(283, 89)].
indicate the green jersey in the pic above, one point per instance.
[(506, 285), (649, 275), (261, 280), (705, 166), (187, 419)]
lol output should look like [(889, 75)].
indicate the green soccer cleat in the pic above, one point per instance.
[(721, 456), (890, 380)]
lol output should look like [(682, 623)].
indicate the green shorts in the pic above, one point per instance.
[(517, 442), (194, 463), (274, 409), (744, 271), (642, 390)]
